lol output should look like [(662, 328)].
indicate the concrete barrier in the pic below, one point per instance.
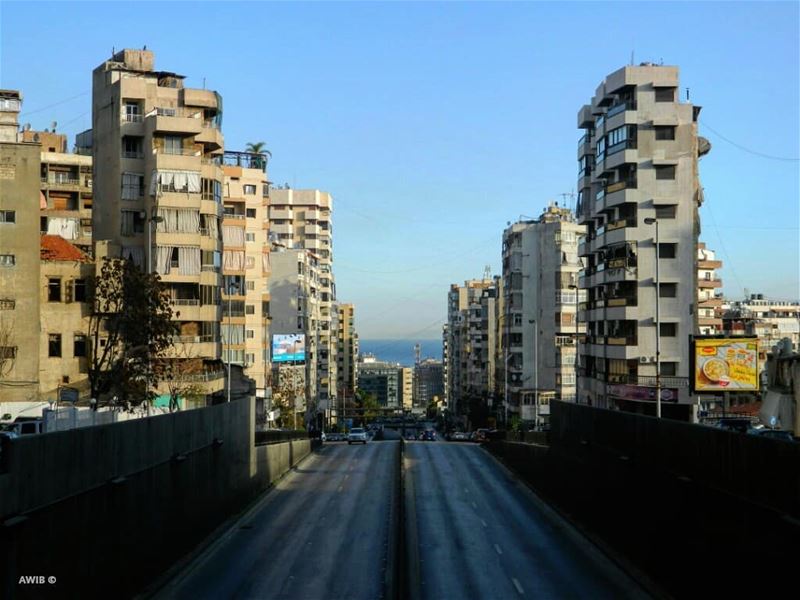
[(104, 510)]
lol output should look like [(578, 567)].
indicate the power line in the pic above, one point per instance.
[(38, 110), (722, 246), (745, 149)]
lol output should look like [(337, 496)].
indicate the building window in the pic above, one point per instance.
[(665, 94), (669, 369), (132, 186), (667, 250), (7, 304), (250, 212), (665, 171), (8, 216), (7, 260), (80, 290), (250, 309), (666, 211), (250, 237), (8, 352), (665, 132), (211, 190), (249, 189), (173, 144), (668, 329), (250, 334), (668, 290), (251, 285), (132, 147), (79, 345), (132, 114), (54, 345), (54, 289), (249, 358)]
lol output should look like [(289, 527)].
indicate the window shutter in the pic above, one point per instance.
[(69, 286)]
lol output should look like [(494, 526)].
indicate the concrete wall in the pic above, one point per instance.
[(107, 509), (701, 511)]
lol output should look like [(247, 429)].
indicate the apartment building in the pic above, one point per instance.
[(466, 352), (428, 382), (540, 327), (246, 266), (159, 192), (383, 380), (638, 183), (302, 219), (768, 319), (446, 364), (709, 302), (20, 168), (407, 388), (66, 189), (66, 272), (347, 350), (295, 308)]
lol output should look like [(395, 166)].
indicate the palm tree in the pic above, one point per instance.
[(258, 148)]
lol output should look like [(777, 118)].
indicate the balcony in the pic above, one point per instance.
[(618, 108), (621, 341), (709, 283), (621, 301), (175, 120)]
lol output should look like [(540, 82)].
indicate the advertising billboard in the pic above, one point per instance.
[(642, 393), (725, 364), (289, 347)]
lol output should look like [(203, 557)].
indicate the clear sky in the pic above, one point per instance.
[(435, 124)]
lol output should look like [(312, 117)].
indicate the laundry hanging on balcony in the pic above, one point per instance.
[(174, 181), (64, 227)]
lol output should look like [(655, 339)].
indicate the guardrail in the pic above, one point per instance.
[(276, 436)]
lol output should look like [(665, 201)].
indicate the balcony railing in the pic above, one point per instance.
[(179, 111), (132, 154), (617, 340), (621, 301), (205, 376), (192, 339), (621, 107), (179, 151), (185, 301), (212, 268), (621, 185), (132, 118)]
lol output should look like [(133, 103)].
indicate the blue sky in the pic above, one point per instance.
[(435, 124)]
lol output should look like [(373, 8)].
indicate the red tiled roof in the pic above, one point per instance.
[(57, 248)]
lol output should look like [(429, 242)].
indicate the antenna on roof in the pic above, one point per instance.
[(487, 272), (204, 83), (687, 94)]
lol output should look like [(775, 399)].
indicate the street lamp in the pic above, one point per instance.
[(652, 221), (231, 288)]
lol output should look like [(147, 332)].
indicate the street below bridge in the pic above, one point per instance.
[(338, 525)]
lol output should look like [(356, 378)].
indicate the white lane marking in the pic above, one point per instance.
[(517, 585), (499, 551), (466, 491), (341, 487), (483, 523), (474, 505)]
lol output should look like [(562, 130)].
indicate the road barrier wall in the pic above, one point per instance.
[(105, 510), (700, 511)]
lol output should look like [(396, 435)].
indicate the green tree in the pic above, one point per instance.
[(258, 148), (367, 404), (130, 326)]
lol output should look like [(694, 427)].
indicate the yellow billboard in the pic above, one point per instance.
[(726, 364)]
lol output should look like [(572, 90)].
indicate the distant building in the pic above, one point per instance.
[(540, 324), (383, 380), (347, 350), (428, 382), (407, 379), (769, 320), (709, 314)]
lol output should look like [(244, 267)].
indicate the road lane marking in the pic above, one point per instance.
[(341, 487), (474, 505), (499, 551), (483, 523), (518, 586)]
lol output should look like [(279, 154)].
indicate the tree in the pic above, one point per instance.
[(182, 377), (290, 387), (129, 326), (8, 351), (258, 148), (368, 403)]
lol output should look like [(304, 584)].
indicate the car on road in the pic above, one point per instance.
[(429, 435), (357, 434), (459, 436), (773, 434)]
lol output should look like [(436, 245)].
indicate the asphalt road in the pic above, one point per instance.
[(322, 532), (476, 532)]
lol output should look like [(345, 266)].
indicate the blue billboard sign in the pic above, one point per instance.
[(289, 347)]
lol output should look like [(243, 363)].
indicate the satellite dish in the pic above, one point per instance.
[(55, 124)]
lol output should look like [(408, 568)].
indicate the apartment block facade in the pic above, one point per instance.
[(303, 219), (768, 319), (428, 382), (159, 192), (246, 266), (539, 324), (709, 300), (347, 351), (20, 168), (638, 180), (383, 380)]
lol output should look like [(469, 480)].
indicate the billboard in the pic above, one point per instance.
[(725, 364), (290, 347), (642, 393)]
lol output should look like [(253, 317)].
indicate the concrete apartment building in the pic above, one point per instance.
[(20, 168), (407, 388), (769, 320), (302, 219), (466, 364), (383, 380), (638, 180), (66, 189), (294, 289), (159, 192), (66, 272), (539, 324), (709, 303), (428, 382), (347, 351), (246, 267)]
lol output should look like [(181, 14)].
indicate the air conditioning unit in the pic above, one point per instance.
[(643, 359)]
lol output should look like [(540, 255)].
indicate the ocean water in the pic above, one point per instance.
[(401, 351)]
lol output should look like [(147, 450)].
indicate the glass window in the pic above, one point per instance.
[(8, 216), (665, 171), (79, 345), (54, 345), (669, 329), (251, 213), (173, 144), (132, 186), (665, 132), (667, 250), (668, 290), (665, 94), (132, 147), (666, 211), (249, 189), (669, 368), (7, 260), (54, 289), (80, 290), (250, 237), (250, 309)]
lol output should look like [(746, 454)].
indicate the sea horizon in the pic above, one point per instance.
[(401, 351)]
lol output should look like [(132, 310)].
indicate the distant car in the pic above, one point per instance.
[(459, 436), (429, 435), (357, 434)]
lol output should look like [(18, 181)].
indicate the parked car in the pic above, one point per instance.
[(357, 434), (429, 435), (459, 436), (773, 434)]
